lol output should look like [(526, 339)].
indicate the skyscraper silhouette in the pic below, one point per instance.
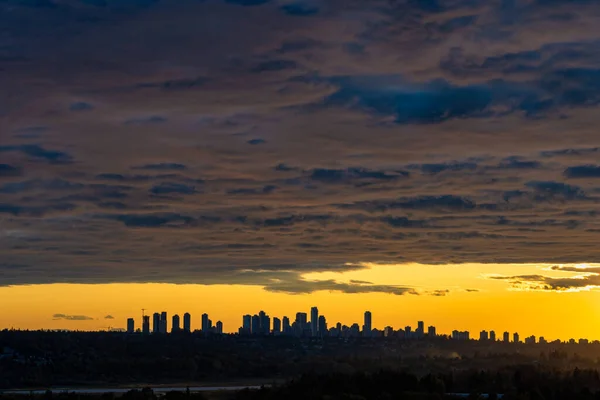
[(146, 324), (163, 322), (130, 325), (175, 324), (156, 322), (205, 323), (187, 322), (367, 327), (314, 321)]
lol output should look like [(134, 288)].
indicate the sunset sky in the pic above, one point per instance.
[(422, 159)]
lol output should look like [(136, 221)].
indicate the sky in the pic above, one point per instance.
[(423, 159)]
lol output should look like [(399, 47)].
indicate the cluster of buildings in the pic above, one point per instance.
[(313, 325), (317, 326), (160, 324)]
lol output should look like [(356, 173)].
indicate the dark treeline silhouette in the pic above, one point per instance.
[(42, 359), (515, 383), (510, 383)]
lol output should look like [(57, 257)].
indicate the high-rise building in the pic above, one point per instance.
[(302, 319), (388, 331), (458, 335), (431, 331), (205, 323), (130, 325), (322, 328), (255, 325), (146, 324), (483, 336), (530, 340), (287, 328), (408, 334), (265, 323), (420, 329), (543, 340), (516, 337), (175, 324), (156, 322), (506, 337), (276, 326), (219, 327), (367, 327), (163, 322), (314, 321), (492, 336), (187, 322), (247, 324)]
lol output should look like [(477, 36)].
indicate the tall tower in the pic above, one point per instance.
[(175, 324), (247, 324), (367, 327), (146, 324), (130, 325), (276, 326), (163, 322), (314, 321), (156, 322), (205, 323), (187, 322), (287, 328)]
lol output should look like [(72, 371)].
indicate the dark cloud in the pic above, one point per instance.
[(553, 189), (301, 8), (170, 188), (441, 167), (443, 202), (305, 287), (38, 152), (162, 167), (264, 190), (81, 106), (35, 211), (517, 163), (354, 174), (585, 279), (72, 317), (153, 119), (7, 170), (274, 65), (295, 136), (583, 171), (151, 220), (109, 317), (256, 141)]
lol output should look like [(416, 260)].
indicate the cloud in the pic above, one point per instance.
[(256, 141), (7, 170), (551, 188), (162, 167), (38, 152), (353, 174), (583, 171), (301, 286), (150, 120), (443, 202), (151, 220), (81, 106), (109, 317), (72, 317), (585, 279), (435, 132), (170, 188)]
